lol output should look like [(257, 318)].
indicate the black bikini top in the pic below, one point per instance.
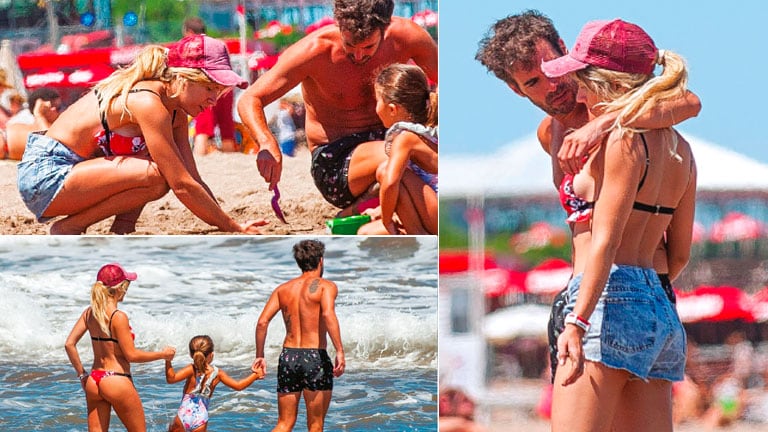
[(655, 209), (106, 339)]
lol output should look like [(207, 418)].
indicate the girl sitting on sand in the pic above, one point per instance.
[(202, 378), (408, 179), (126, 143)]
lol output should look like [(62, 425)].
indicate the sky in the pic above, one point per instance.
[(722, 42)]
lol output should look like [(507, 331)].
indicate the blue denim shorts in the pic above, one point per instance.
[(634, 326), (42, 170)]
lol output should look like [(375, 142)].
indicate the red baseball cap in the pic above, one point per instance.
[(113, 274), (206, 53), (614, 45)]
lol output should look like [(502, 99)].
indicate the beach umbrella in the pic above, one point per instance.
[(261, 60), (510, 322), (322, 22), (426, 18), (714, 303), (736, 226), (538, 235), (11, 66), (549, 277), (457, 262), (760, 305), (500, 282)]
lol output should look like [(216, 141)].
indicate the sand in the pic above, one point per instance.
[(235, 182)]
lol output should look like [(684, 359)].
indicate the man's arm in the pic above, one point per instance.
[(550, 135), (584, 140), (292, 67), (328, 313), (269, 312)]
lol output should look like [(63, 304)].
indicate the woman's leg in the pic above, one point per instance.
[(99, 410), (645, 407), (120, 392), (99, 188), (590, 403)]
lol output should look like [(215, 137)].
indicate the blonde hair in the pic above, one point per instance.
[(199, 349), (100, 295), (633, 95), (150, 64)]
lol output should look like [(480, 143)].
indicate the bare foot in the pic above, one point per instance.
[(65, 227), (122, 227)]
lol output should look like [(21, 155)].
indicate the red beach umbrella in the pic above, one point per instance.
[(710, 303), (736, 226), (457, 262), (550, 276)]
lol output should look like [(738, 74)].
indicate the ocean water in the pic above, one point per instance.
[(217, 285)]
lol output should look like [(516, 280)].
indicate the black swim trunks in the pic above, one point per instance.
[(330, 166), (304, 369)]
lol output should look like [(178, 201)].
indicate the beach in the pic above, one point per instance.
[(218, 285), (235, 182)]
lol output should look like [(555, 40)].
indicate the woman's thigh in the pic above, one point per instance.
[(95, 180)]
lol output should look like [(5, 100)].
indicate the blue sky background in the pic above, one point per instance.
[(723, 43)]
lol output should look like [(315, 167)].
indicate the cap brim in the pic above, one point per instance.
[(226, 77), (561, 66), (130, 276)]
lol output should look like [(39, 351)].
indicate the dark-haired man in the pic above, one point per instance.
[(304, 369), (335, 66)]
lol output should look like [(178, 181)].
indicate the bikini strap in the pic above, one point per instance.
[(647, 162), (110, 320), (136, 90), (103, 117)]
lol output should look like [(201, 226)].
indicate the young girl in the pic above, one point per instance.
[(202, 378), (408, 179)]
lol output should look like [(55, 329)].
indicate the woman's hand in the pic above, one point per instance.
[(569, 351), (168, 353), (251, 226)]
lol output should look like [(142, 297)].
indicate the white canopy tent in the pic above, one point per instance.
[(522, 167)]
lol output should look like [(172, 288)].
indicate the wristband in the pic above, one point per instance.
[(578, 321)]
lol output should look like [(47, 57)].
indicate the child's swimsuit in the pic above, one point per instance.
[(427, 134), (193, 411), (330, 166), (304, 368)]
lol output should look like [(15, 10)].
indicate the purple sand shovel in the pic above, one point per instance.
[(276, 205)]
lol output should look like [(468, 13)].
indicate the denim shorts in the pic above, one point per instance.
[(634, 326), (42, 170)]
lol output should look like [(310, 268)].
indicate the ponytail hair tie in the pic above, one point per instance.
[(660, 57)]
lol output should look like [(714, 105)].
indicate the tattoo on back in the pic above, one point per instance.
[(313, 286)]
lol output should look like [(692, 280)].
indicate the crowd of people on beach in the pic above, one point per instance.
[(125, 142), (304, 371)]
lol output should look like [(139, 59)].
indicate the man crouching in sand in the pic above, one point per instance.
[(307, 306), (335, 66)]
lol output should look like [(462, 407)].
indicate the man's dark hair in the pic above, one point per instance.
[(45, 93), (512, 41), (195, 25), (362, 18), (308, 253)]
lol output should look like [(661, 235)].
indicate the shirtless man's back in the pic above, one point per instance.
[(304, 368)]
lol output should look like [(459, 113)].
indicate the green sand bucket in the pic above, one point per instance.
[(347, 225)]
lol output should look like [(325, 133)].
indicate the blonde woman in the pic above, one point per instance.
[(623, 344), (126, 143), (109, 384)]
